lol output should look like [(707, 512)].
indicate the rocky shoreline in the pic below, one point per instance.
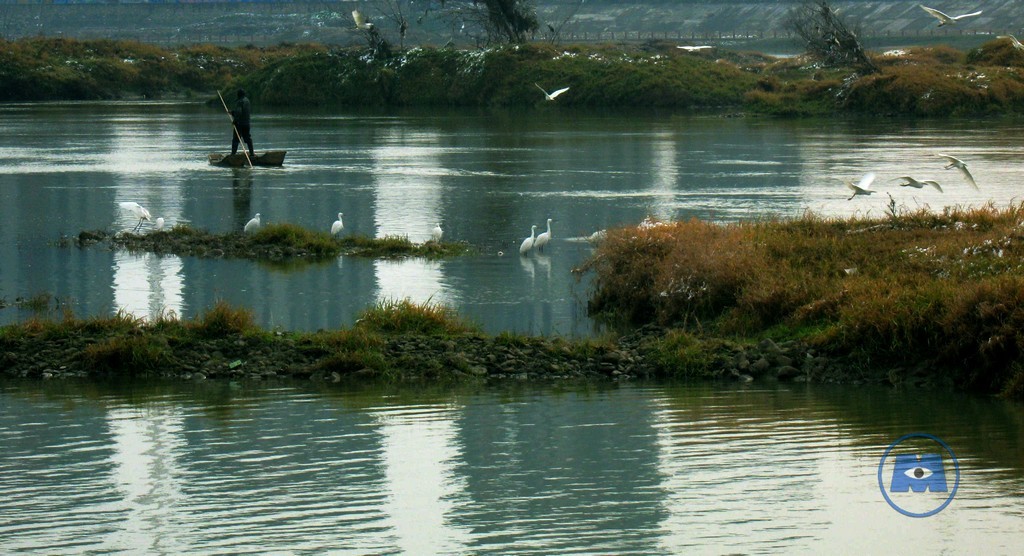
[(413, 357)]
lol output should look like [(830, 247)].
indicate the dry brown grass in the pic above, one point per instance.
[(941, 287)]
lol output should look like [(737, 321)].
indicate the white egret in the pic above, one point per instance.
[(528, 242), (861, 187), (136, 209), (436, 233), (360, 20), (159, 223), (945, 19), (597, 236), (543, 238), (911, 182), (1013, 41), (551, 96), (695, 48), (955, 162), (337, 226), (252, 225)]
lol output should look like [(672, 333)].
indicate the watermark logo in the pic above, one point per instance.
[(913, 472)]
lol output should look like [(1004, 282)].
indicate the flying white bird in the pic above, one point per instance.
[(360, 20), (436, 233), (551, 96), (138, 210), (543, 238), (911, 182), (695, 48), (337, 226), (528, 242), (955, 162), (945, 19), (252, 225), (1013, 40), (861, 187)]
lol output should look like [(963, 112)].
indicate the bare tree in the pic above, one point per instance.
[(487, 21), (561, 18), (827, 38)]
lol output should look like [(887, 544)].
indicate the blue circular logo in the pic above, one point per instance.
[(916, 472)]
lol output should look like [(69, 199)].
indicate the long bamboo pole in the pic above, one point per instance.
[(235, 128)]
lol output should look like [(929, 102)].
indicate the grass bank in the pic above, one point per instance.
[(393, 341), (931, 81), (274, 242), (42, 68), (913, 297)]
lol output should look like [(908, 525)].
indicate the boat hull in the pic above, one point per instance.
[(238, 160)]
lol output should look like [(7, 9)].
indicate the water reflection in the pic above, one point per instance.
[(420, 452), (664, 177), (148, 285), (407, 183), (485, 176), (418, 280), (148, 476)]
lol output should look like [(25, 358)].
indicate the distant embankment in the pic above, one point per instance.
[(272, 22)]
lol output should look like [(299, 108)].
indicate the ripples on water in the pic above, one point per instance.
[(486, 176), (222, 468)]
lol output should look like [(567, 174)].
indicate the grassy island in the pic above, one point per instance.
[(274, 242), (937, 81), (915, 297)]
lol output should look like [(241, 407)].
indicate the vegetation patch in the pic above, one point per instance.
[(274, 242), (920, 292)]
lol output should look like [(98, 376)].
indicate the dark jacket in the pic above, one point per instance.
[(241, 112)]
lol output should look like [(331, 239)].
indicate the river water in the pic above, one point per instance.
[(486, 176), (644, 469), (232, 468)]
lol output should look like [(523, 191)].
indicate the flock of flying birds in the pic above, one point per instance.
[(861, 187)]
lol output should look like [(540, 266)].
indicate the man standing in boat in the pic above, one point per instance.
[(240, 119)]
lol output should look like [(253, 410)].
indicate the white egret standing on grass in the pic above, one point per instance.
[(911, 182), (436, 233), (528, 242), (955, 162), (946, 19), (337, 226), (861, 187), (543, 239), (1013, 41), (252, 225), (159, 223), (138, 210), (553, 95)]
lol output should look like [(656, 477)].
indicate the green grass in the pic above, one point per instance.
[(407, 317)]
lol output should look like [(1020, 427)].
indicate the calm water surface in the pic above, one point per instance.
[(485, 176), (229, 468)]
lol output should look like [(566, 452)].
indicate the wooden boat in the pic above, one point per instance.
[(238, 160)]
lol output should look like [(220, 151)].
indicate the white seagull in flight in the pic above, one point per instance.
[(551, 96), (911, 182), (945, 19), (861, 187), (1013, 40), (955, 162)]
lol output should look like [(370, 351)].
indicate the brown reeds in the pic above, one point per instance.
[(916, 288)]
